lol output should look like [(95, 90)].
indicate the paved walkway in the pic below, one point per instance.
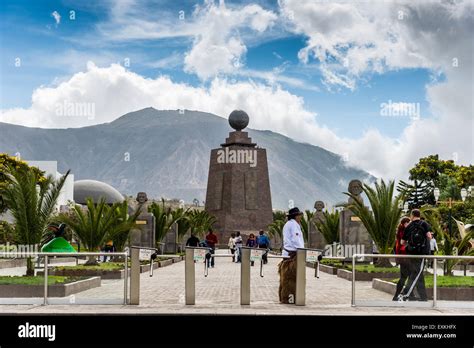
[(219, 293)]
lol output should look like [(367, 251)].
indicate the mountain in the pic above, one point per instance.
[(166, 154)]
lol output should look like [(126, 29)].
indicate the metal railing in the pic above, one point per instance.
[(402, 256), (46, 256), (135, 270), (245, 257)]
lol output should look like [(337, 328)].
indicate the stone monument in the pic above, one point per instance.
[(352, 232), (144, 234), (238, 187), (316, 239)]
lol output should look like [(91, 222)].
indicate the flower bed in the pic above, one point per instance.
[(450, 288), (34, 286)]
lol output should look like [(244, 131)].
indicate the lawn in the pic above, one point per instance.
[(332, 262), (447, 281), (372, 269), (103, 266), (38, 280)]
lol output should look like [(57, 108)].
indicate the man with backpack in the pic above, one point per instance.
[(417, 240)]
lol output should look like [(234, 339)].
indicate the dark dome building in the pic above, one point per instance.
[(96, 190)]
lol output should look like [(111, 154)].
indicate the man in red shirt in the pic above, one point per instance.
[(211, 241)]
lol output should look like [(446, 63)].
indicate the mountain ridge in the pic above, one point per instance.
[(166, 153)]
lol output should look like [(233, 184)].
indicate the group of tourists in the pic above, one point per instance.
[(235, 245)]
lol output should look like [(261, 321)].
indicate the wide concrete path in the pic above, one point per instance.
[(219, 293)]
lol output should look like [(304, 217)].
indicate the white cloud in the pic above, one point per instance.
[(218, 47), (351, 39), (57, 17), (217, 32), (436, 34)]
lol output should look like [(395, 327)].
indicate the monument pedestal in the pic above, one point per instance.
[(238, 189)]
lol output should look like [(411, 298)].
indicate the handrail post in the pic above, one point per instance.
[(245, 276), (435, 275), (300, 296), (353, 280), (45, 300), (190, 277), (135, 276), (125, 285)]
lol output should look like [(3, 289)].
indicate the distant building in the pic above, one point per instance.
[(51, 168)]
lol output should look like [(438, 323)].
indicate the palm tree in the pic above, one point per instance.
[(201, 221), (275, 229), (164, 219), (381, 223), (305, 223), (329, 226), (122, 225), (31, 204), (93, 225)]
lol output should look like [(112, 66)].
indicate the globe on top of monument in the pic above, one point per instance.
[(238, 119)]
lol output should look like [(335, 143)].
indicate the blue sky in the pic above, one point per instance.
[(281, 46)]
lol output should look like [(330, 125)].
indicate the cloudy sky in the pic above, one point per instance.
[(380, 83)]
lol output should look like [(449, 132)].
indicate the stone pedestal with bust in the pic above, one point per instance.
[(144, 233), (352, 231), (238, 188), (316, 239)]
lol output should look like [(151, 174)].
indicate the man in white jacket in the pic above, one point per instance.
[(292, 240)]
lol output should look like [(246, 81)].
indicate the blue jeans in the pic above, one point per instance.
[(210, 259)]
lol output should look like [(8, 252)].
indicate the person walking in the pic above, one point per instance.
[(192, 241), (292, 240), (238, 246), (416, 238), (263, 242), (231, 245), (251, 243), (211, 241), (433, 247), (404, 263)]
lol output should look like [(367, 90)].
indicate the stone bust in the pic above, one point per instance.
[(141, 197), (355, 188), (319, 206)]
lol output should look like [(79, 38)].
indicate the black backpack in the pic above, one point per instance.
[(417, 242)]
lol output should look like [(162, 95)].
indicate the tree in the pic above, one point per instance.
[(7, 161), (329, 226), (275, 229), (183, 221), (417, 194), (200, 222), (381, 223), (305, 223), (92, 225), (163, 219), (122, 225), (450, 242), (430, 168), (32, 202)]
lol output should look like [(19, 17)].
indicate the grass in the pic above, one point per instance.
[(103, 266), (332, 262), (38, 280), (372, 269), (106, 266), (447, 281)]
